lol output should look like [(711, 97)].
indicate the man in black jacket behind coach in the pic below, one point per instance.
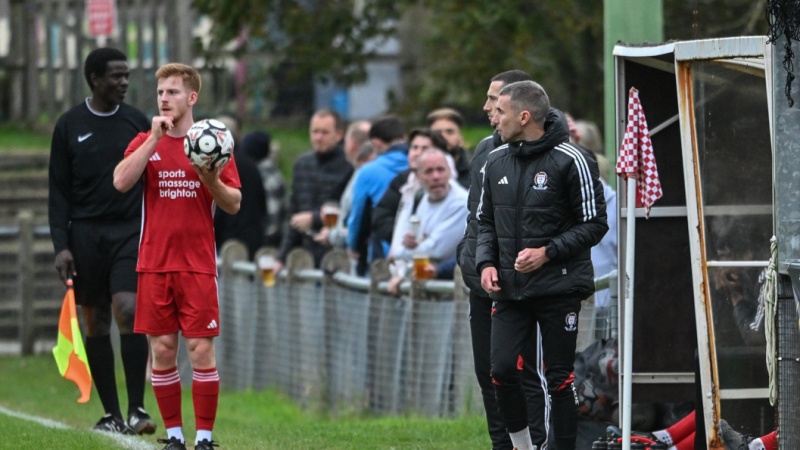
[(541, 211)]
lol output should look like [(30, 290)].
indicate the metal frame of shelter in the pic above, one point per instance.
[(709, 104)]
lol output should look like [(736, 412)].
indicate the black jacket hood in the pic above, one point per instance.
[(556, 132)]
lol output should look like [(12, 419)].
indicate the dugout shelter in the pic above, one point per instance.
[(727, 148)]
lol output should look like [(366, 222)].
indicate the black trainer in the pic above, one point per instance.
[(172, 444), (111, 424), (732, 439), (205, 444), (140, 422)]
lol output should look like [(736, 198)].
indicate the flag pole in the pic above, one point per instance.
[(69, 352), (637, 164), (627, 355)]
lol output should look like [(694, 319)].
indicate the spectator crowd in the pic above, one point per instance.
[(367, 170)]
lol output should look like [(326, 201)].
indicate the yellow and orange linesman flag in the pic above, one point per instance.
[(69, 351)]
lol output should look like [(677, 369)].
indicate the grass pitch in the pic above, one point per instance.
[(32, 387)]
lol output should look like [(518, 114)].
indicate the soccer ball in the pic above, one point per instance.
[(209, 144)]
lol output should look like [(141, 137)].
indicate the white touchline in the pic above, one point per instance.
[(126, 442), (40, 420)]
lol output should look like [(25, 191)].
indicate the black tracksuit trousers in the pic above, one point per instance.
[(513, 330), (533, 382)]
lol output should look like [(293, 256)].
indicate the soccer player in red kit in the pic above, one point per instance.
[(177, 290)]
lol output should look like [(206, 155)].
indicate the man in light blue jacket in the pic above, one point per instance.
[(387, 135)]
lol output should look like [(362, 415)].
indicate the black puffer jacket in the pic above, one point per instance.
[(384, 213), (536, 194), (461, 159), (316, 178), (466, 248)]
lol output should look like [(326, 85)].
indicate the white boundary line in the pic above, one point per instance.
[(126, 442)]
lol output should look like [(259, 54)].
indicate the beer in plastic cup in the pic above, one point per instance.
[(266, 265), (421, 262), (330, 214)]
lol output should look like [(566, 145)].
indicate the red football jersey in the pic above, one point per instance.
[(177, 211)]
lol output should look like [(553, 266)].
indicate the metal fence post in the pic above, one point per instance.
[(27, 328), (230, 338), (301, 336), (466, 395)]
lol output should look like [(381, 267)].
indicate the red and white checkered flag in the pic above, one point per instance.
[(636, 158)]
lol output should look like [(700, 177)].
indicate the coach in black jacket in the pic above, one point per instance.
[(480, 305), (541, 211)]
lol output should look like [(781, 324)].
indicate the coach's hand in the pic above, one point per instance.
[(489, 280), (65, 265), (530, 259)]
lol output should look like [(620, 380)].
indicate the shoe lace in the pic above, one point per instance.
[(208, 443)]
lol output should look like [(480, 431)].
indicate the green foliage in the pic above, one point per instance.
[(451, 48), (466, 42), (18, 138), (304, 37), (473, 135), (291, 142), (702, 19), (246, 420)]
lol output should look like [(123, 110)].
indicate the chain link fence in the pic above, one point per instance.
[(341, 344)]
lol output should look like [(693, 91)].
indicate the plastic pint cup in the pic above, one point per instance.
[(421, 261), (266, 265), (330, 214)]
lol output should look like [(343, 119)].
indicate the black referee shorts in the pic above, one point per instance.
[(105, 254)]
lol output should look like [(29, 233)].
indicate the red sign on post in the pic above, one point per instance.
[(101, 15)]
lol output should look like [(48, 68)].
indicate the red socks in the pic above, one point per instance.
[(167, 389), (682, 428), (205, 395), (770, 440)]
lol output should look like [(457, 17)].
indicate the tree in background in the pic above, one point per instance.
[(452, 47), (295, 41), (467, 42)]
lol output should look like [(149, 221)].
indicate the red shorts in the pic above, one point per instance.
[(177, 301)]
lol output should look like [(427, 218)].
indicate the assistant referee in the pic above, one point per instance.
[(95, 232)]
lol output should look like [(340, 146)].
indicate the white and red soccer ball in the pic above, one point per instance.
[(209, 144)]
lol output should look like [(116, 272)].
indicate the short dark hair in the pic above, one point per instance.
[(387, 129), (528, 96), (436, 137), (446, 114), (97, 61), (512, 76)]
